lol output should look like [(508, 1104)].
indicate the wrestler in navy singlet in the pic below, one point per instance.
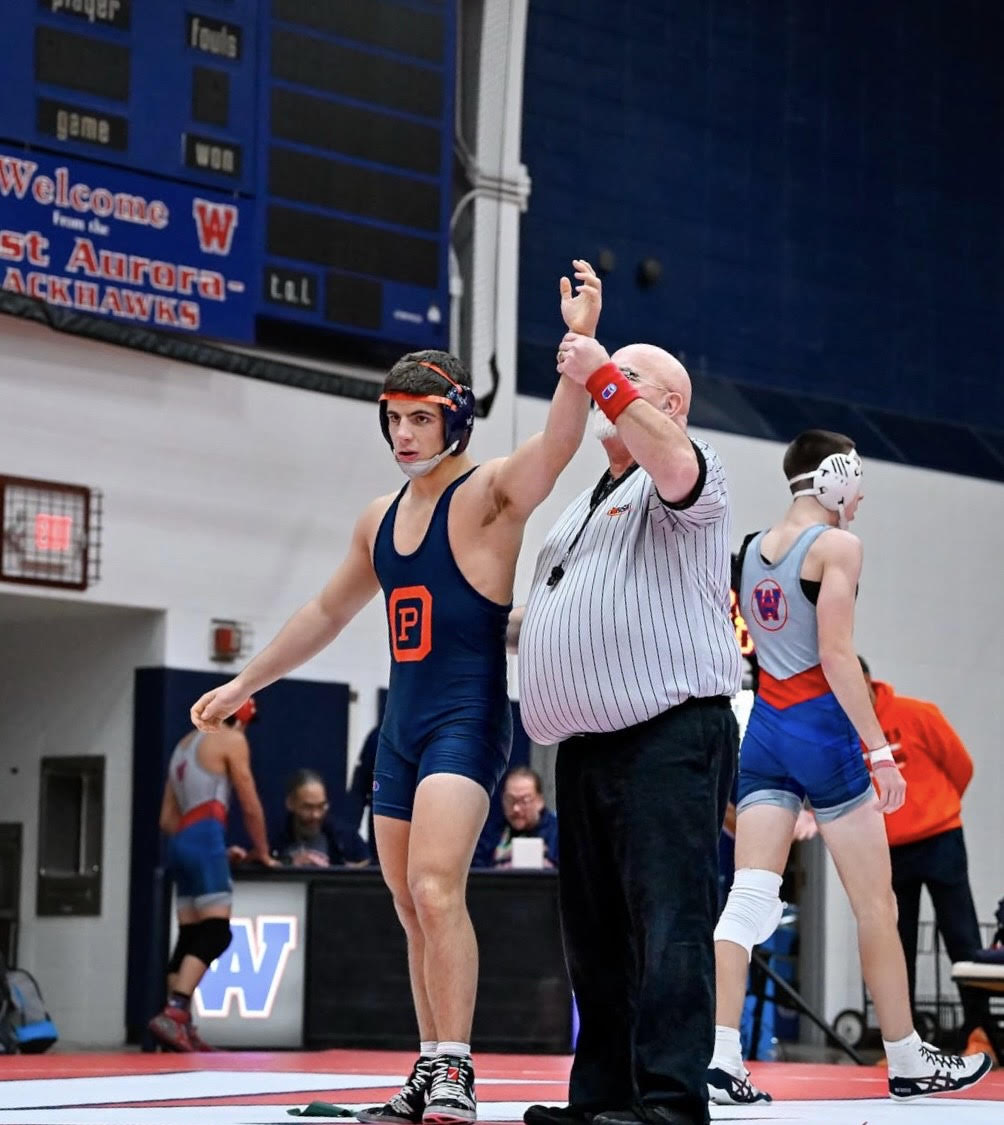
[(448, 705)]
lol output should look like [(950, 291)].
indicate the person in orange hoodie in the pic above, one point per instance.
[(926, 844)]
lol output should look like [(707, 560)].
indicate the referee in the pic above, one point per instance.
[(628, 659)]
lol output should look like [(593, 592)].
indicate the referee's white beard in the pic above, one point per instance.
[(602, 428)]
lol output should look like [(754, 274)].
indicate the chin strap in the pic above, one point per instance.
[(413, 469)]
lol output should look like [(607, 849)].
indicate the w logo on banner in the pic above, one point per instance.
[(770, 608), (215, 224), (250, 970)]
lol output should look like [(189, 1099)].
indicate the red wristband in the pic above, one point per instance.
[(611, 390)]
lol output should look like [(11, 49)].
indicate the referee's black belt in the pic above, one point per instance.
[(693, 702)]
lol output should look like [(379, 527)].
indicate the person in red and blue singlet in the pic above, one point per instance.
[(203, 770), (811, 714), (443, 552)]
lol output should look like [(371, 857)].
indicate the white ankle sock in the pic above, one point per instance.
[(428, 1048), (728, 1052), (450, 1048), (904, 1054)]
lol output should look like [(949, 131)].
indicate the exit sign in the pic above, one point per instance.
[(50, 533), (53, 533)]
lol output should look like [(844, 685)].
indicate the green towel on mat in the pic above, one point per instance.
[(321, 1109)]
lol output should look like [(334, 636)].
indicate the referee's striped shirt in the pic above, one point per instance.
[(640, 620)]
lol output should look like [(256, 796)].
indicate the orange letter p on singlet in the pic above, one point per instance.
[(407, 619), (409, 610)]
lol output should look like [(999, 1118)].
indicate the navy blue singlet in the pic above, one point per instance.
[(447, 707)]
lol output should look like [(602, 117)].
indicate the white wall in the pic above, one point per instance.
[(66, 688), (929, 608)]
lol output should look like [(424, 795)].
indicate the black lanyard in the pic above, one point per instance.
[(606, 485)]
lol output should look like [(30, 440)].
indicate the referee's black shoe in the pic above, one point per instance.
[(649, 1115), (557, 1115)]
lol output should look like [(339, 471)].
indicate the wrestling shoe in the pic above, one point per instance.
[(408, 1104), (452, 1100), (726, 1089), (170, 1029), (935, 1072)]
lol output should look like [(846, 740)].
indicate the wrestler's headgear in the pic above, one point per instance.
[(246, 712), (457, 405), (835, 483)]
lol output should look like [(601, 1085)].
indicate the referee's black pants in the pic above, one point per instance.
[(639, 813)]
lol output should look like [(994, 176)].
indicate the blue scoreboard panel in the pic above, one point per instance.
[(256, 171)]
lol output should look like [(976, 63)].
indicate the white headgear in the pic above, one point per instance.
[(835, 483)]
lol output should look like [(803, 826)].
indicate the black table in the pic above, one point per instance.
[(346, 956)]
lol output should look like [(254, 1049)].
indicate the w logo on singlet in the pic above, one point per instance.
[(409, 612), (767, 602), (250, 970), (769, 605)]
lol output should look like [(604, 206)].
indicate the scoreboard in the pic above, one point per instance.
[(247, 171)]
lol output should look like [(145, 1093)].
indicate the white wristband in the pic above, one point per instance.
[(881, 754)]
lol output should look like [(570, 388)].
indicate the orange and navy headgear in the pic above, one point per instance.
[(457, 405)]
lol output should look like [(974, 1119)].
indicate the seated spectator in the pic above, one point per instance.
[(525, 815), (311, 836)]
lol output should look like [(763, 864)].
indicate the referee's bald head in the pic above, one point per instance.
[(662, 373)]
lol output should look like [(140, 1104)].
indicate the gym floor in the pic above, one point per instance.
[(259, 1088)]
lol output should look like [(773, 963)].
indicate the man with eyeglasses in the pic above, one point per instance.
[(628, 659), (526, 815), (311, 836)]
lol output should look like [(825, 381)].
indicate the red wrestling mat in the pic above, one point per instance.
[(257, 1088)]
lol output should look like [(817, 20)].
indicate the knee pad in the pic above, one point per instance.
[(183, 946), (212, 937), (753, 910)]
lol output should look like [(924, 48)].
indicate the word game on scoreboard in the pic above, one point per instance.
[(247, 171)]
